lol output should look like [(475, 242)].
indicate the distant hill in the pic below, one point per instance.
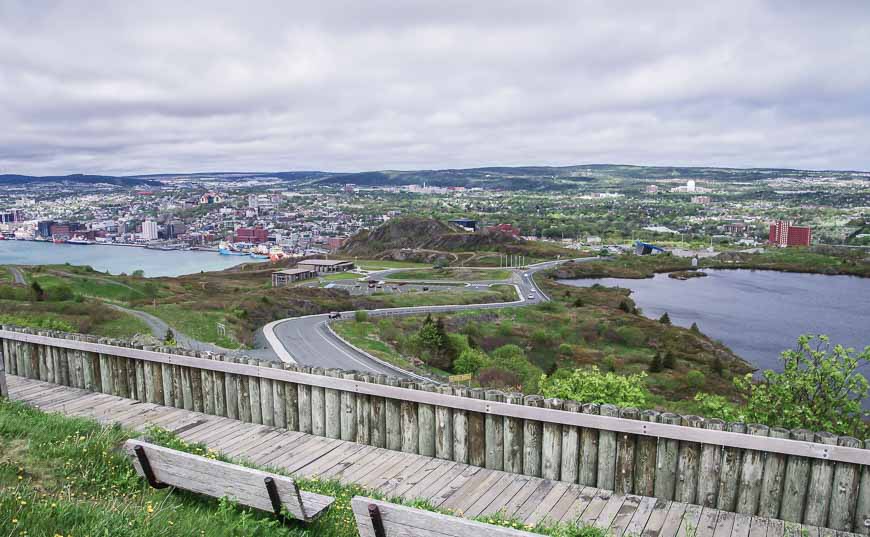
[(531, 178), (12, 179), (427, 239)]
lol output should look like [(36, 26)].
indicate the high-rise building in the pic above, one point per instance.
[(782, 233), (44, 228), (149, 230)]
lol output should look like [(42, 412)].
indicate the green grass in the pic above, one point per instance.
[(100, 287), (198, 324), (446, 298), (337, 276), (363, 335), (123, 327), (451, 274), (379, 264), (65, 476)]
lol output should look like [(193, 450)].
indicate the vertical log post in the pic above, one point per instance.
[(460, 428), (318, 407), (494, 434), (533, 436), (607, 452), (821, 484), (667, 455), (513, 438), (845, 491), (348, 411), (551, 444), (862, 508), (688, 465), (426, 424), (589, 449), (378, 405), (626, 446), (444, 427), (410, 423), (393, 418), (797, 477), (729, 473), (476, 432), (4, 388), (751, 474)]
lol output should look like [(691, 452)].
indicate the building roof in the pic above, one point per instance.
[(324, 262), (292, 271)]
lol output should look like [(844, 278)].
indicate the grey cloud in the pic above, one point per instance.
[(112, 87)]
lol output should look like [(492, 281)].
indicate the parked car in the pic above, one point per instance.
[(531, 296), (335, 315)]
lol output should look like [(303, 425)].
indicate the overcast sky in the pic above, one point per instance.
[(124, 88)]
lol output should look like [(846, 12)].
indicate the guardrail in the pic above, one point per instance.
[(799, 476)]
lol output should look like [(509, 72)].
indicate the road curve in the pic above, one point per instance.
[(309, 340)]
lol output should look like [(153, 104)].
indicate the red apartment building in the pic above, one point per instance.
[(782, 233), (254, 235)]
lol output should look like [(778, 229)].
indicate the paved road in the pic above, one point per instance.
[(17, 275), (309, 341)]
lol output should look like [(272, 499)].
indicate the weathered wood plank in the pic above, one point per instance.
[(401, 521), (797, 476), (533, 432), (821, 479), (218, 479), (444, 428), (773, 481), (494, 434)]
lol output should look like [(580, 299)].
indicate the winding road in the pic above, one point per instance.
[(310, 341)]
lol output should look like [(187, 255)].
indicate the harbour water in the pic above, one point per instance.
[(758, 314), (116, 259)]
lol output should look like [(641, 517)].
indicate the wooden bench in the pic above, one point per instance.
[(375, 518), (164, 467)]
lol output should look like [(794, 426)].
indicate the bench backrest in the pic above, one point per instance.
[(401, 521), (218, 479)]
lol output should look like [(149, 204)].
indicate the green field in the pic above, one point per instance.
[(93, 284), (380, 264), (338, 276), (500, 293), (196, 323), (456, 274)]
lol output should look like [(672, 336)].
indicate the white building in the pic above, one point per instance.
[(149, 230), (690, 185)]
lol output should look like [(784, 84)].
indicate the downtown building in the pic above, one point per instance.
[(782, 233)]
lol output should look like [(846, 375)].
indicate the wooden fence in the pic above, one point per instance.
[(4, 392), (799, 476)]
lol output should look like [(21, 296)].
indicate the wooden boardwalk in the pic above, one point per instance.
[(468, 491)]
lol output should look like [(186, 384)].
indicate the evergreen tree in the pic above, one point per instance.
[(625, 306), (718, 367), (578, 302), (657, 364), (695, 328), (665, 319), (38, 291), (669, 361)]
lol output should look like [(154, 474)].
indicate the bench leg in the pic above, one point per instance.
[(146, 468), (377, 523)]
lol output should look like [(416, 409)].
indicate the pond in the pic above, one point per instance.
[(756, 313)]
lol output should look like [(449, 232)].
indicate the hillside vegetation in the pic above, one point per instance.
[(429, 240)]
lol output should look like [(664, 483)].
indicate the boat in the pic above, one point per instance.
[(79, 240), (226, 248), (276, 253), (58, 240), (258, 256)]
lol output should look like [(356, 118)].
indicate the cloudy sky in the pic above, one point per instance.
[(124, 87)]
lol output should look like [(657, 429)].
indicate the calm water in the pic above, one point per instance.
[(115, 259), (758, 314)]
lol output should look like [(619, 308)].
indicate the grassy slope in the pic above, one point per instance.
[(201, 325), (451, 274), (64, 476)]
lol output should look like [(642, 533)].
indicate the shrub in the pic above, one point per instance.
[(361, 316), (665, 319), (578, 303), (513, 358), (631, 335), (695, 379), (497, 377), (470, 361), (716, 406), (593, 386), (820, 388), (669, 360)]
